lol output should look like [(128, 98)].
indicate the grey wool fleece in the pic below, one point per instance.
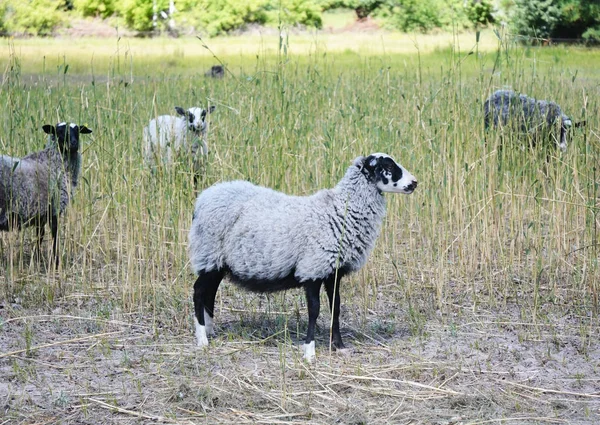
[(526, 114), (266, 235), (32, 186)]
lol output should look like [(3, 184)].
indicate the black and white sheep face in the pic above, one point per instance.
[(66, 136), (196, 118), (388, 175)]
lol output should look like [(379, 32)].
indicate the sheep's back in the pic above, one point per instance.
[(268, 238), (25, 190), (216, 210)]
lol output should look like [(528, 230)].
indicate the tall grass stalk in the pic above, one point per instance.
[(492, 223)]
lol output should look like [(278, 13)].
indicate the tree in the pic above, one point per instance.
[(571, 19), (102, 8), (579, 19), (35, 17), (479, 12), (535, 18)]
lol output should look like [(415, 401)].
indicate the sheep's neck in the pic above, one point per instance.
[(73, 164), (354, 188)]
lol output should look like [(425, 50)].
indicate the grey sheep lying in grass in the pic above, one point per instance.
[(268, 241), (539, 118), (36, 189)]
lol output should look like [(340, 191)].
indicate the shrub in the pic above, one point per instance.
[(102, 8), (362, 8), (424, 15), (534, 18), (220, 16), (294, 12), (138, 14), (579, 19), (35, 17), (479, 12)]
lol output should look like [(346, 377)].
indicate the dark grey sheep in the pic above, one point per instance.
[(539, 118), (215, 71), (36, 189)]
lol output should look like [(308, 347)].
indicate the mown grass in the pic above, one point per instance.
[(489, 228)]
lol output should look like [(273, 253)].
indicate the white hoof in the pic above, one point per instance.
[(201, 339), (309, 352)]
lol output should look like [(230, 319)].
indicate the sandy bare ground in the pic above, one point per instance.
[(85, 362)]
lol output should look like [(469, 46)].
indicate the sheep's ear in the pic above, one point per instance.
[(84, 130), (49, 129), (181, 111), (580, 124), (359, 162), (211, 109)]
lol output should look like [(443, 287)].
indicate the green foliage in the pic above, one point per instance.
[(3, 8), (592, 34), (579, 19), (293, 12), (363, 8), (220, 16), (535, 18), (138, 13), (35, 17), (479, 12), (570, 19), (424, 15), (102, 8)]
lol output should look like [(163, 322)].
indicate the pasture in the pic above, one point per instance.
[(479, 304)]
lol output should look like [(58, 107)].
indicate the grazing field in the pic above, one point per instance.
[(479, 304)]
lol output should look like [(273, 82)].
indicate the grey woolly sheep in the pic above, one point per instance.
[(268, 241), (36, 189), (166, 133), (538, 118)]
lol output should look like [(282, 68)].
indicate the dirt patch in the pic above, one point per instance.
[(367, 24), (80, 365), (93, 27)]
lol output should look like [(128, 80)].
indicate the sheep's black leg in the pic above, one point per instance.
[(332, 286), (54, 231), (205, 290), (314, 305)]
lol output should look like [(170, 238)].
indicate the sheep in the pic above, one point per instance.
[(215, 71), (168, 133), (36, 189), (268, 241), (528, 115)]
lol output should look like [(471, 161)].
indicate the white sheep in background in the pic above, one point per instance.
[(268, 241), (528, 115), (168, 133), (36, 189)]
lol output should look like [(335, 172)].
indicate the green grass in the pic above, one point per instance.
[(482, 217), (488, 228)]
